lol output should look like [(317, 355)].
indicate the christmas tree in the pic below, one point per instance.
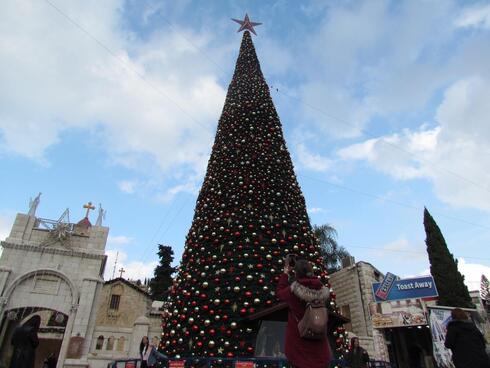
[(444, 268), (250, 213)]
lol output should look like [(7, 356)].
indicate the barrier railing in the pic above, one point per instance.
[(208, 362)]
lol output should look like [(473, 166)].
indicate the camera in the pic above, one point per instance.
[(291, 260)]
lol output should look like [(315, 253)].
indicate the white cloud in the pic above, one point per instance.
[(5, 225), (471, 271), (315, 210), (475, 16), (399, 155), (68, 81), (379, 67), (190, 187), (454, 156), (127, 186), (311, 161), (134, 269), (401, 250), (119, 240)]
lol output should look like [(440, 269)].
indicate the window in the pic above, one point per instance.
[(345, 311), (110, 343), (100, 343), (270, 339), (120, 343), (115, 299)]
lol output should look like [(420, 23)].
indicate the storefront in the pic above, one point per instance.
[(400, 313)]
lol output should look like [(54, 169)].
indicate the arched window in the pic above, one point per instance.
[(99, 343), (120, 343), (110, 343)]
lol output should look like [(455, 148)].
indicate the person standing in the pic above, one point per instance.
[(149, 354), (50, 361), (466, 342), (25, 341), (357, 357), (300, 352)]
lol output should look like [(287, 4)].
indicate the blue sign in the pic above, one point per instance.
[(418, 287), (385, 287)]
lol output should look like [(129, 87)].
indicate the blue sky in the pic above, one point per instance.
[(384, 106)]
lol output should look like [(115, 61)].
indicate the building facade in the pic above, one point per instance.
[(352, 285), (52, 268), (125, 313)]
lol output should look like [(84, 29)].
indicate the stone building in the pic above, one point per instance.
[(52, 268), (352, 285), (125, 313)]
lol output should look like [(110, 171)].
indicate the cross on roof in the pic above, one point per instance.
[(89, 206), (121, 271)]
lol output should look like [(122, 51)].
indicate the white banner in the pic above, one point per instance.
[(439, 318)]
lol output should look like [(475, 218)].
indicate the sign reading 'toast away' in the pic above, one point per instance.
[(419, 287)]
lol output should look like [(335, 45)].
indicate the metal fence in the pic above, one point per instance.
[(229, 363)]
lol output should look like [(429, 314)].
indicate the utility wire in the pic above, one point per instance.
[(408, 251), (161, 92), (126, 65), (337, 119), (398, 203)]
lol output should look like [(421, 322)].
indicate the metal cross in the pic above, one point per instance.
[(89, 206), (121, 271)]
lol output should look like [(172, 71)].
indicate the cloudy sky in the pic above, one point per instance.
[(384, 105)]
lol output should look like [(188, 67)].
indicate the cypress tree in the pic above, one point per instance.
[(162, 280), (444, 268)]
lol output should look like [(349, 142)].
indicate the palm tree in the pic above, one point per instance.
[(332, 252)]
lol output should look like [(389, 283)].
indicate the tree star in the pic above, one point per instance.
[(246, 24)]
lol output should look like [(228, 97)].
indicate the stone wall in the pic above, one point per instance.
[(36, 270), (133, 304), (124, 327), (352, 285)]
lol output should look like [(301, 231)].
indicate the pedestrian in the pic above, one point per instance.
[(50, 361), (149, 353), (25, 341), (466, 342), (301, 352), (357, 357)]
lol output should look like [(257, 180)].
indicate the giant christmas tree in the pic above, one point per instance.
[(249, 215)]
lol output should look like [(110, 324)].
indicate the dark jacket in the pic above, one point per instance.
[(24, 342), (154, 357), (300, 352), (357, 358), (467, 345)]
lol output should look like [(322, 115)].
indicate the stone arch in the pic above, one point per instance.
[(49, 303)]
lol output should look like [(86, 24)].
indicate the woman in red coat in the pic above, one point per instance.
[(300, 352)]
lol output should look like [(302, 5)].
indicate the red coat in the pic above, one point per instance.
[(300, 352)]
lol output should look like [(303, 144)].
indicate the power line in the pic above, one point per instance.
[(337, 119), (161, 92), (385, 142), (125, 64), (408, 251), (398, 203), (176, 214)]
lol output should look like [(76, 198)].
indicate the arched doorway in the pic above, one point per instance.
[(51, 332)]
